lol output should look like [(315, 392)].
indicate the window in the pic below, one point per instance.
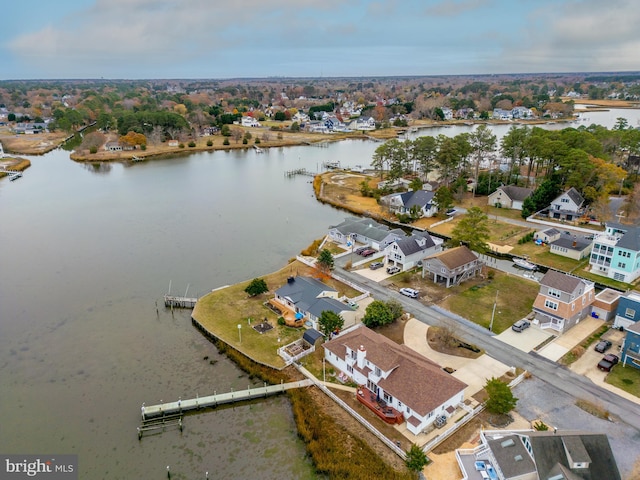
[(353, 354), (622, 265), (573, 306), (629, 313), (387, 398), (554, 293), (378, 372), (551, 305), (619, 276), (349, 369)]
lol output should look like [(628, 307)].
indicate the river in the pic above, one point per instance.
[(88, 252)]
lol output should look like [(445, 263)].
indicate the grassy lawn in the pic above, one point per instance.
[(626, 378), (515, 299), (541, 255), (221, 311)]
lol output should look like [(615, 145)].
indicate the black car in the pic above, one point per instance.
[(603, 345), (607, 362)]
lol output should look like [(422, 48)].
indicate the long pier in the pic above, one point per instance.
[(299, 171), (179, 302), (181, 406)]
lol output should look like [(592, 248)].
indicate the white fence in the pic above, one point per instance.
[(448, 432)]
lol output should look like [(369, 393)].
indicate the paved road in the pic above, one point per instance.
[(560, 377)]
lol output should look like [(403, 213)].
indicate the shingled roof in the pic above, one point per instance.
[(455, 257), (516, 193), (414, 380), (561, 281)]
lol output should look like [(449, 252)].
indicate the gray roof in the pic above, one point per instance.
[(561, 281), (367, 228), (551, 232), (567, 241), (421, 198), (304, 293), (512, 456), (311, 336), (575, 196), (516, 193), (550, 449), (410, 244), (631, 239)]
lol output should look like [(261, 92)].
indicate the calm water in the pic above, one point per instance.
[(87, 253)]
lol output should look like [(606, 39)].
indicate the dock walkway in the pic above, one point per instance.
[(181, 406)]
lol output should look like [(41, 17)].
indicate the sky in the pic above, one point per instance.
[(217, 39)]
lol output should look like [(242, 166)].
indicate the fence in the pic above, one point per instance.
[(448, 432)]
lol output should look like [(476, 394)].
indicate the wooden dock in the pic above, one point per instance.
[(166, 410), (179, 302), (299, 171)]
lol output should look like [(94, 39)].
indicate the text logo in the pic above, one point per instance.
[(49, 467)]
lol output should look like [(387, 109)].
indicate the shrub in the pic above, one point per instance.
[(143, 147), (281, 321), (245, 141), (209, 143), (257, 141), (192, 144), (181, 145), (93, 150), (226, 141)]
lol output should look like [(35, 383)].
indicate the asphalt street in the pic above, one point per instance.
[(560, 377)]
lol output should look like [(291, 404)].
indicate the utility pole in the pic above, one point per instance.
[(493, 314)]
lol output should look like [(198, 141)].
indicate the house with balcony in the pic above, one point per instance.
[(563, 300), (395, 382), (616, 253), (568, 206), (364, 231), (409, 252), (452, 266), (628, 311), (306, 298), (544, 455)]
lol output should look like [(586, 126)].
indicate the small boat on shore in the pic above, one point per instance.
[(522, 263)]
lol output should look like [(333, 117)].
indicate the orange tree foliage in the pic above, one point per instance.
[(133, 139)]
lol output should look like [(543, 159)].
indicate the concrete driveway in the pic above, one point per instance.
[(473, 372), (526, 340)]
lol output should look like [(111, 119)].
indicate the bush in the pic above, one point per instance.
[(209, 143), (192, 144), (226, 141), (257, 141), (245, 141), (93, 150), (143, 147), (181, 145), (281, 321)]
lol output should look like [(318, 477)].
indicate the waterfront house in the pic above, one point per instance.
[(248, 121), (571, 246), (408, 252), (394, 381), (568, 206), (616, 252), (452, 266), (403, 203), (547, 236), (509, 196), (562, 301), (539, 455), (364, 231), (113, 147), (631, 347), (172, 143), (363, 123), (307, 298)]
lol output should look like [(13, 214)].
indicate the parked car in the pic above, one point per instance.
[(359, 250), (607, 362), (393, 270), (376, 265), (409, 292), (520, 325), (451, 212), (368, 252), (603, 345)]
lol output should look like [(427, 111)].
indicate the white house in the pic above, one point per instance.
[(249, 122), (363, 123), (365, 231), (408, 252), (402, 203), (567, 206), (399, 379), (509, 196)]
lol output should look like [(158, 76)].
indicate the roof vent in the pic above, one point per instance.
[(507, 443), (518, 458), (291, 280), (361, 348)]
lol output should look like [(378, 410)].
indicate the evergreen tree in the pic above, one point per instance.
[(472, 230), (501, 399), (329, 322), (256, 287)]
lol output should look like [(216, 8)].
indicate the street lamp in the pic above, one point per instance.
[(240, 332)]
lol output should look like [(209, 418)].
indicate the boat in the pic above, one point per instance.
[(522, 263), (257, 149), (15, 175)]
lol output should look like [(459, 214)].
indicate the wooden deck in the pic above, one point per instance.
[(378, 406)]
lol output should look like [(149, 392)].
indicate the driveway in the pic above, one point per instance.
[(473, 372), (526, 340)]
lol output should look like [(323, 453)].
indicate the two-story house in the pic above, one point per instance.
[(630, 354), (452, 266), (568, 206), (616, 253), (408, 252), (563, 300), (394, 379), (403, 203), (628, 311)]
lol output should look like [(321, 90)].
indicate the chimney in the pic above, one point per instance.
[(575, 242), (361, 355)]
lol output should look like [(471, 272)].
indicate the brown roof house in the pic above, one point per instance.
[(452, 266), (397, 378), (563, 300), (509, 196), (532, 455)]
